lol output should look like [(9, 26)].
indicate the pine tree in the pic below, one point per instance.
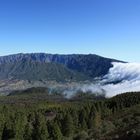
[(68, 126), (40, 128), (75, 117), (20, 123), (28, 132), (1, 125), (54, 130), (83, 119), (91, 122), (97, 120)]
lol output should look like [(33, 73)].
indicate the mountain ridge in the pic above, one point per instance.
[(90, 64)]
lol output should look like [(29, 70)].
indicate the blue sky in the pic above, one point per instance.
[(110, 28)]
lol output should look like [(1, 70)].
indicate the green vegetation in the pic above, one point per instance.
[(34, 70), (105, 119)]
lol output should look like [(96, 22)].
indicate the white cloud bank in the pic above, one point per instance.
[(126, 74), (121, 78), (124, 71)]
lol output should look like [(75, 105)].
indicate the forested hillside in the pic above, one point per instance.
[(34, 70), (104, 119)]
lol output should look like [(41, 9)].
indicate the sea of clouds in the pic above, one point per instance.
[(121, 78)]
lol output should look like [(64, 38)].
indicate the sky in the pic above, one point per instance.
[(110, 28)]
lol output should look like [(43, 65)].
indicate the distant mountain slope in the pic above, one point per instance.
[(32, 70), (90, 65)]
